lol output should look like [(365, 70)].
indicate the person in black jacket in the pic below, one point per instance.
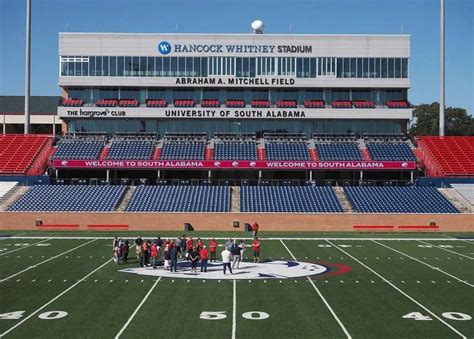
[(194, 257), (174, 258)]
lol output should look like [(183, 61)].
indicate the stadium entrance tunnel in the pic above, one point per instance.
[(277, 269)]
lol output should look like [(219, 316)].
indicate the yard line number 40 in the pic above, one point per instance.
[(50, 315), (448, 315)]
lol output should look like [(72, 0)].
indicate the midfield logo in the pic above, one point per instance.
[(278, 269)]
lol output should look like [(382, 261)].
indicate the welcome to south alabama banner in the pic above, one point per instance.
[(226, 164)]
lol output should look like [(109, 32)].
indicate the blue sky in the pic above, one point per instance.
[(420, 18)]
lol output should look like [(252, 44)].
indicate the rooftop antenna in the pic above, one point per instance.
[(401, 29), (258, 26), (291, 28)]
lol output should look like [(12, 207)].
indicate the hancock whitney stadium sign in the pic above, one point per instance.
[(240, 165)]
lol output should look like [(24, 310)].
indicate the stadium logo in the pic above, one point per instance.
[(278, 269), (164, 47)]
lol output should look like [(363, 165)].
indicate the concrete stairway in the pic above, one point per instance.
[(346, 205), (12, 196), (235, 199), (457, 200), (126, 198)]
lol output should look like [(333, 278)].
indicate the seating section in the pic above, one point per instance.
[(397, 104), (295, 150), (128, 103), (363, 104), (338, 151), (372, 199), (106, 103), (69, 149), (295, 199), (314, 104), (235, 103), (453, 156), (156, 103), (286, 104), (210, 103), (74, 198), (184, 103), (183, 150), (466, 190), (6, 186), (70, 102), (341, 104), (131, 150), (19, 151), (180, 199), (384, 151), (235, 150), (260, 103)]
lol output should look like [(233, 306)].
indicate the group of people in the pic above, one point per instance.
[(151, 252)]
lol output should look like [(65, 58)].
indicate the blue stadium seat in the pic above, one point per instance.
[(385, 151), (74, 198), (235, 150), (338, 151), (131, 149), (297, 199), (78, 149), (374, 199), (180, 199), (295, 150), (185, 150)]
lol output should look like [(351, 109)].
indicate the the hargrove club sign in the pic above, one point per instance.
[(227, 164)]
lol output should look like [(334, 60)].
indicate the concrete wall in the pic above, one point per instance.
[(223, 221)]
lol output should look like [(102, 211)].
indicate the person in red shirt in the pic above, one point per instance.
[(212, 247), (204, 256), (199, 244), (256, 250), (189, 246), (255, 227), (154, 254)]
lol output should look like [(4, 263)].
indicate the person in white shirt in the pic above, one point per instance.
[(226, 258)]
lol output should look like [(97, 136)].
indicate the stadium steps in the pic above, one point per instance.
[(457, 200), (104, 153), (156, 154), (40, 163), (341, 196), (365, 154), (12, 196), (235, 199), (130, 190)]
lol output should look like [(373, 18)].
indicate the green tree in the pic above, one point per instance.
[(458, 122)]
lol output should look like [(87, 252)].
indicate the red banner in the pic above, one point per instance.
[(226, 164)]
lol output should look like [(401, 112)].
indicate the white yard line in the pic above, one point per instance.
[(400, 291), (45, 261), (469, 241), (137, 309), (447, 250), (12, 237), (250, 238), (234, 309), (23, 247), (54, 299), (424, 263), (321, 296)]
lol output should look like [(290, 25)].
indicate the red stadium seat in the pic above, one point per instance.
[(210, 103), (260, 103), (342, 104), (156, 103), (235, 103), (363, 104), (18, 152), (448, 156), (314, 104), (286, 104), (397, 104)]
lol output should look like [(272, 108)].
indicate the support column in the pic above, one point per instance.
[(107, 176), (411, 176), (310, 175), (361, 176)]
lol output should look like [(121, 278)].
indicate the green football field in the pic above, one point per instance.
[(65, 285)]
